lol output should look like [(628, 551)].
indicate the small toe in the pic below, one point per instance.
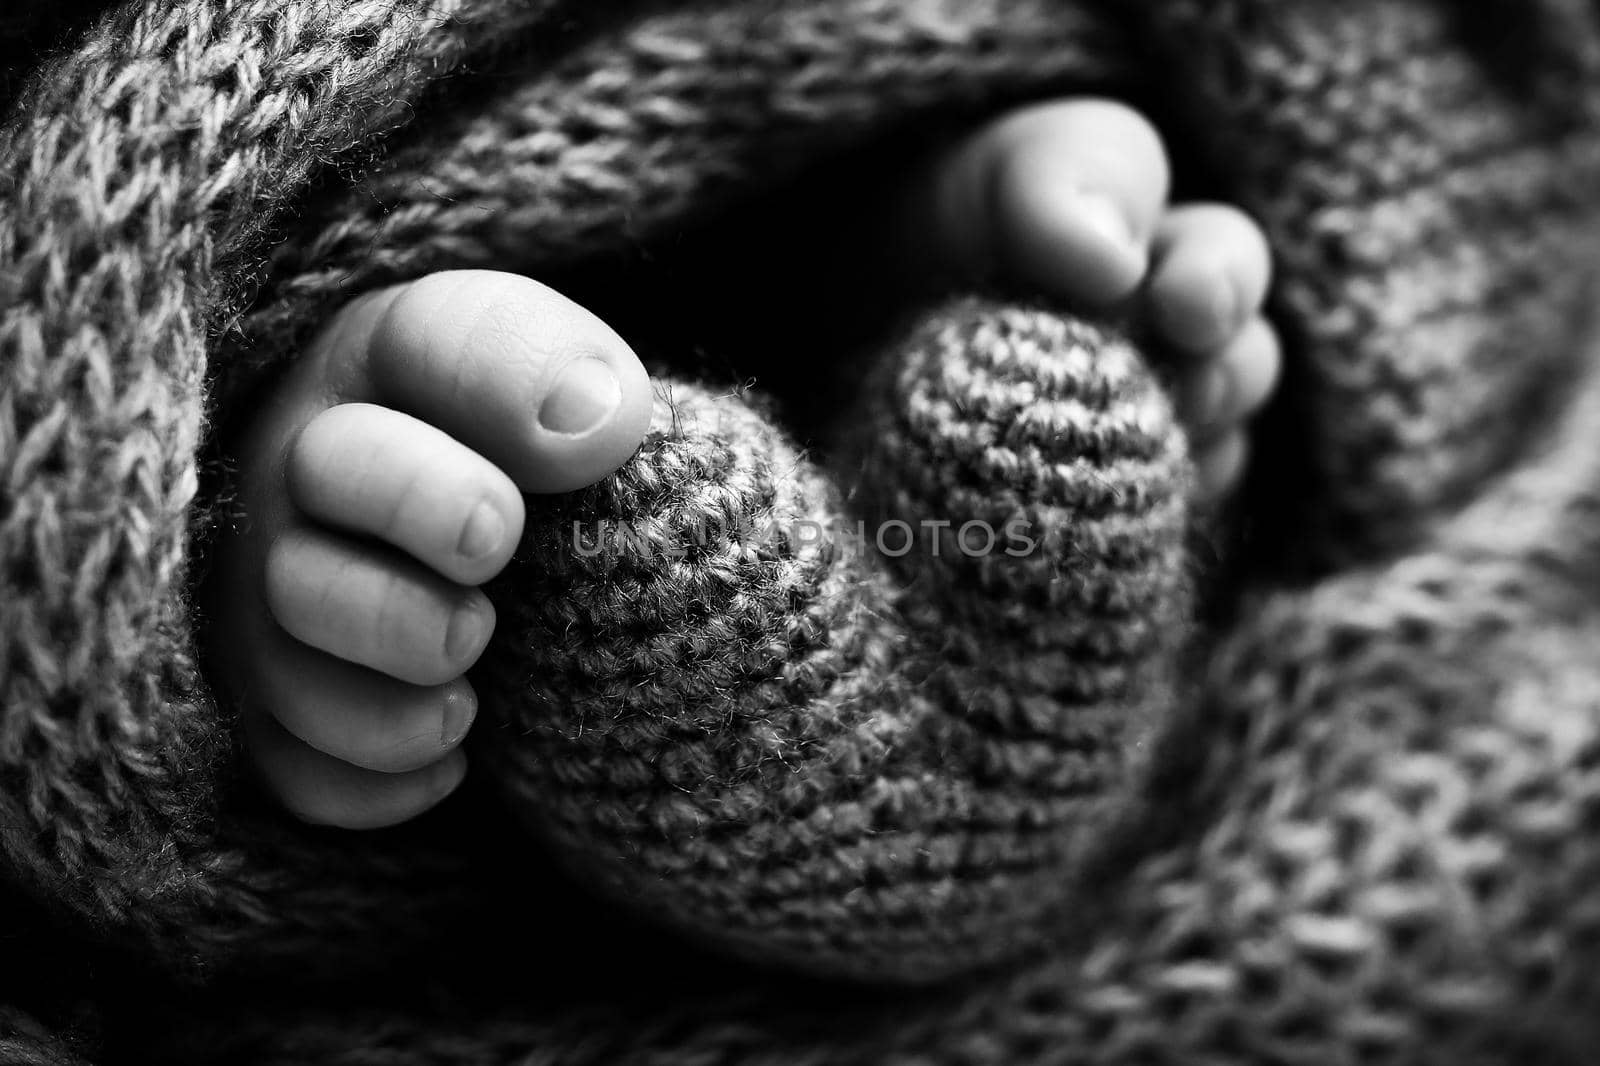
[(381, 473), (1250, 367), (1212, 268), (1204, 393), (357, 715), (368, 606), (1222, 392), (1219, 466), (1251, 362), (323, 790)]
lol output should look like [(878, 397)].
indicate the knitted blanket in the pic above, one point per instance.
[(1318, 785)]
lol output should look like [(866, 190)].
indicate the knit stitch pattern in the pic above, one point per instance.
[(815, 743), (1356, 825)]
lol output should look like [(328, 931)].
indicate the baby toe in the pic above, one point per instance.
[(1078, 187), (380, 473), (1061, 198), (514, 370), (1212, 268), (1218, 395), (357, 715), (1219, 466), (370, 607), (1252, 361), (322, 790)]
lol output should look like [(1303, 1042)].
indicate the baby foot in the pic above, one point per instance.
[(380, 485), (1069, 199)]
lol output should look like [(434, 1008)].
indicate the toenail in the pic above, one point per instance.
[(1102, 216), (484, 531), (584, 395), (460, 708), (465, 632)]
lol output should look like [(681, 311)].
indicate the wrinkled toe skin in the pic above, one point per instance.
[(869, 718)]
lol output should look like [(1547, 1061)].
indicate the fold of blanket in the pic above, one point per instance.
[(1357, 824)]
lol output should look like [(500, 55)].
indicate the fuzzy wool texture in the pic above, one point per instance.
[(776, 801)]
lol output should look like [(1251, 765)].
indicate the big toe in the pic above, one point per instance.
[(535, 383), (1062, 198)]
